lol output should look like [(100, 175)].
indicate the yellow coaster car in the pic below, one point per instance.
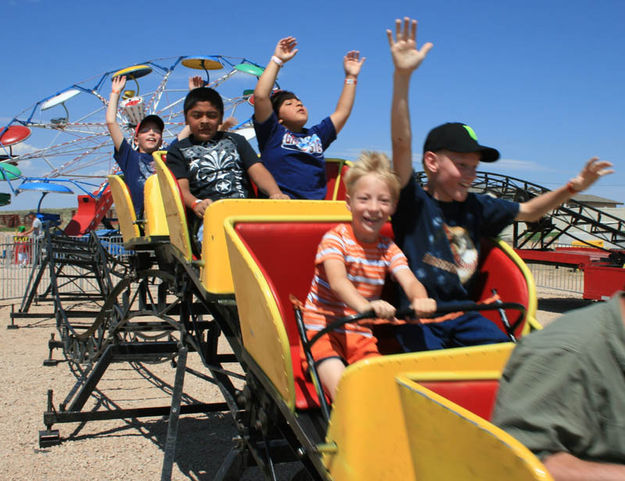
[(387, 420)]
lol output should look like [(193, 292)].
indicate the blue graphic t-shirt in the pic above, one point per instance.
[(137, 167), (442, 239), (295, 159), (216, 169)]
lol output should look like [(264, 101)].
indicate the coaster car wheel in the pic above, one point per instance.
[(137, 310)]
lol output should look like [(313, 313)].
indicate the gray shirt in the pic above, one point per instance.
[(563, 389)]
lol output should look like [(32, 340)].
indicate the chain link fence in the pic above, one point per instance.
[(558, 278)]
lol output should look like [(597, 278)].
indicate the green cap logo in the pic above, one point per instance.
[(471, 132)]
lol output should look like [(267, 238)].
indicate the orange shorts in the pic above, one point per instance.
[(349, 346)]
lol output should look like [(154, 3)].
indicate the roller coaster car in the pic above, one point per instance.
[(154, 226), (387, 421)]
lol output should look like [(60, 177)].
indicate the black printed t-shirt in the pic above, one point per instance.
[(216, 169), (442, 239)]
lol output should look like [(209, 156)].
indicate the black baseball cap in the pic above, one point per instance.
[(151, 118), (457, 137)]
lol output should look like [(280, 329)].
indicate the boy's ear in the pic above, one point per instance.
[(430, 161), (348, 202)]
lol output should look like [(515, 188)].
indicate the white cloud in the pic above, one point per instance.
[(520, 165), (22, 148)]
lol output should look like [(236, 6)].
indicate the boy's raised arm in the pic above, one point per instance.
[(535, 208), (117, 86), (406, 58), (285, 51), (352, 63)]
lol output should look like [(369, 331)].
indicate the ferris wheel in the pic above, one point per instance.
[(64, 138)]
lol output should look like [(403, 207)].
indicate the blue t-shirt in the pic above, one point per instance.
[(137, 167), (295, 159), (442, 239), (216, 169)]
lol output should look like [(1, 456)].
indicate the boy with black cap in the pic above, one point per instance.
[(137, 164), (439, 228)]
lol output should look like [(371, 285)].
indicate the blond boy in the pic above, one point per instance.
[(350, 267)]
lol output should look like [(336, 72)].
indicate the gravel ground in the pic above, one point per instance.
[(121, 449)]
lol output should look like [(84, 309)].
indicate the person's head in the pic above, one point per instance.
[(289, 109), (149, 134), (451, 155), (203, 112), (372, 193)]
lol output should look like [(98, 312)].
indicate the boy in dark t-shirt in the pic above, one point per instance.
[(292, 153), (439, 227), (211, 164)]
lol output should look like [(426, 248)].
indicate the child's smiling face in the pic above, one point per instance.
[(149, 137), (371, 205), (454, 173)]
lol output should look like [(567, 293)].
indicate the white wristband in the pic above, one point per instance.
[(277, 61), (196, 202)]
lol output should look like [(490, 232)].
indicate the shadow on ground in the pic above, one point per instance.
[(560, 305)]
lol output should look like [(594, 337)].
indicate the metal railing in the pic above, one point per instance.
[(20, 259), (559, 278)]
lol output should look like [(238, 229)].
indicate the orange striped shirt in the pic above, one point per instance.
[(366, 264)]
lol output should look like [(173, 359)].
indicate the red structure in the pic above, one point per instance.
[(90, 213), (604, 272)]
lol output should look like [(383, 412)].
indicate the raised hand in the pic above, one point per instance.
[(118, 84), (285, 50), (196, 82), (352, 63), (406, 56), (593, 170)]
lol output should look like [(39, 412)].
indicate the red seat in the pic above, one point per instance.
[(298, 243), (475, 395), (285, 253), (499, 271), (335, 171)]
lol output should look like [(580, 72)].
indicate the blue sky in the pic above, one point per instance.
[(542, 81)]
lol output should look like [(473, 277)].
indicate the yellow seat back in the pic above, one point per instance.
[(447, 441), (124, 208), (174, 209), (264, 333), (216, 276), (154, 209), (367, 423)]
